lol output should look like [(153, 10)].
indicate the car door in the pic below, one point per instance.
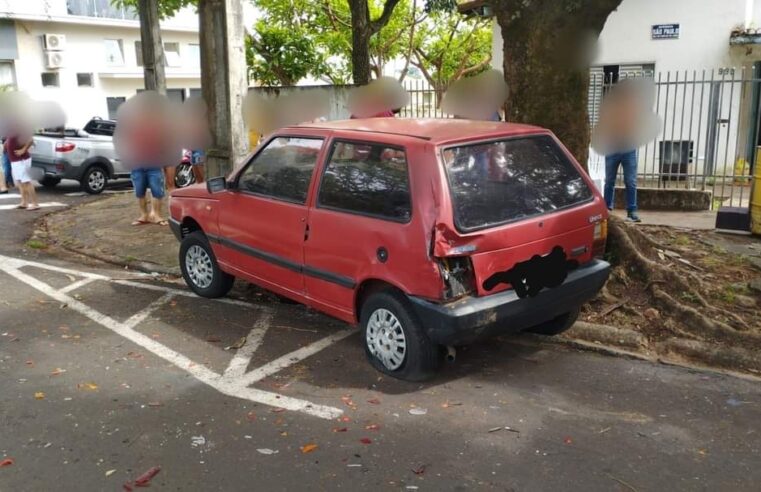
[(263, 218), (359, 226)]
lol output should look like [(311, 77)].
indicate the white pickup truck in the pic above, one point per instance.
[(86, 155)]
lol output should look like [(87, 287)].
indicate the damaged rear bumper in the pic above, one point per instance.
[(474, 318)]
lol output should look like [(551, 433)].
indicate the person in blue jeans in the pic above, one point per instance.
[(7, 172), (627, 160), (144, 178)]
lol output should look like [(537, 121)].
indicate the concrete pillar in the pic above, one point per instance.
[(152, 47), (224, 81)]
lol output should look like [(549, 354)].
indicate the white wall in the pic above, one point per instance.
[(85, 52), (703, 42)]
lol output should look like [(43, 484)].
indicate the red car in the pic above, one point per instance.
[(426, 233)]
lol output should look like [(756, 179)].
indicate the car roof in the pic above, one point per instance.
[(438, 131)]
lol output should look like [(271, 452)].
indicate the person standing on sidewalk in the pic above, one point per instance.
[(626, 123), (17, 148), (6, 180)]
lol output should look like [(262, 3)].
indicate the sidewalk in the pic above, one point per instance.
[(102, 229), (705, 220)]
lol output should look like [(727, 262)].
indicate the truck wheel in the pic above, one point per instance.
[(200, 268), (558, 325), (395, 342), (94, 180), (50, 181)]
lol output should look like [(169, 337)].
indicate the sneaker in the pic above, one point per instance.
[(633, 217)]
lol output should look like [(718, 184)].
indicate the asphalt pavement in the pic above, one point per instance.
[(106, 374)]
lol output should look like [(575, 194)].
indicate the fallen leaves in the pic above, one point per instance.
[(419, 470), (251, 416), (568, 440), (7, 462), (57, 371), (39, 395), (372, 427), (146, 477), (88, 386), (340, 429), (110, 472), (366, 440), (308, 448), (373, 401), (238, 344), (348, 402), (450, 404)]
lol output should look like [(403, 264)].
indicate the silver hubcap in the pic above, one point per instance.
[(97, 180), (198, 266), (385, 339)]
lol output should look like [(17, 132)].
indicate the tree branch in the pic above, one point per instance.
[(388, 9)]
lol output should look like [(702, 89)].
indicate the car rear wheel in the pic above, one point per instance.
[(557, 325), (395, 342), (200, 268), (94, 180), (50, 181)]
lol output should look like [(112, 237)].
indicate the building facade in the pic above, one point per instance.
[(86, 54)]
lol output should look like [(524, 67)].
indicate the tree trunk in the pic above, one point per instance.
[(360, 41), (152, 47), (223, 82), (546, 64)]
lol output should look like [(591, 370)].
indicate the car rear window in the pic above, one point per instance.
[(507, 180)]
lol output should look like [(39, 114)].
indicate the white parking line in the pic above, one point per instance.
[(234, 382), (76, 285), (239, 363), (10, 196), (42, 205)]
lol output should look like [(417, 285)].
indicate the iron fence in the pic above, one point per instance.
[(708, 138)]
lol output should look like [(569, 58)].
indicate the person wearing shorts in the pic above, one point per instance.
[(143, 179), (17, 148)]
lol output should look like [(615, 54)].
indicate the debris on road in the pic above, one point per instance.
[(568, 440), (308, 448), (144, 479), (449, 404), (418, 411), (57, 371), (366, 440), (6, 462), (197, 441), (238, 344), (419, 470), (110, 472), (88, 386), (39, 395), (372, 427), (340, 429), (373, 401), (267, 451)]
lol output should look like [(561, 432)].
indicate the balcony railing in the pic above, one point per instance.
[(99, 8)]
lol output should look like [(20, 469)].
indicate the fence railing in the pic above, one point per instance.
[(709, 133)]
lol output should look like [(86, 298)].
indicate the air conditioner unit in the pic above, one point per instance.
[(54, 42), (54, 59)]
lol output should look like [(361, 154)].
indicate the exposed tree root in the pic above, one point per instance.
[(635, 249)]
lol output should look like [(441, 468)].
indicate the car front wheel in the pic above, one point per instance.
[(200, 268), (395, 342)]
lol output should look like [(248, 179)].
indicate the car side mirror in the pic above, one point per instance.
[(215, 185)]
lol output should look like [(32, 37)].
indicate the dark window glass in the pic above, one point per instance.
[(367, 179), (84, 80), (283, 169), (113, 104), (508, 180)]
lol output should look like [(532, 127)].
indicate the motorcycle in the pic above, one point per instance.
[(183, 173)]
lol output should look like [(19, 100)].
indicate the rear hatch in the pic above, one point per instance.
[(523, 213)]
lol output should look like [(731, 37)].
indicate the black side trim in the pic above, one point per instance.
[(346, 282), (176, 228), (329, 277), (261, 255)]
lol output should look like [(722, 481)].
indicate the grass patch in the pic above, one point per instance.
[(682, 240), (36, 244), (130, 259)]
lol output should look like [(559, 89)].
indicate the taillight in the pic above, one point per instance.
[(600, 237), (458, 276), (64, 146)]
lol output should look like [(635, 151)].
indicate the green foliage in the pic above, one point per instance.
[(277, 55), (443, 44), (167, 8)]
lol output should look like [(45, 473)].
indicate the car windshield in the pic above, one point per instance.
[(502, 181)]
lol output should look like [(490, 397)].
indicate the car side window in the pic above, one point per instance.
[(367, 179), (283, 169)]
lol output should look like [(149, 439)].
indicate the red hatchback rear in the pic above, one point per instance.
[(428, 233)]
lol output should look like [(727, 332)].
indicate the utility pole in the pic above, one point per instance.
[(224, 81), (152, 47)]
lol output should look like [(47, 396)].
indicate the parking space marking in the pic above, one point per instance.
[(9, 196), (76, 285), (235, 384), (42, 205), (242, 358)]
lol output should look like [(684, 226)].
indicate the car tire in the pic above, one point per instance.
[(50, 181), (94, 180), (200, 268), (409, 354), (557, 325)]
